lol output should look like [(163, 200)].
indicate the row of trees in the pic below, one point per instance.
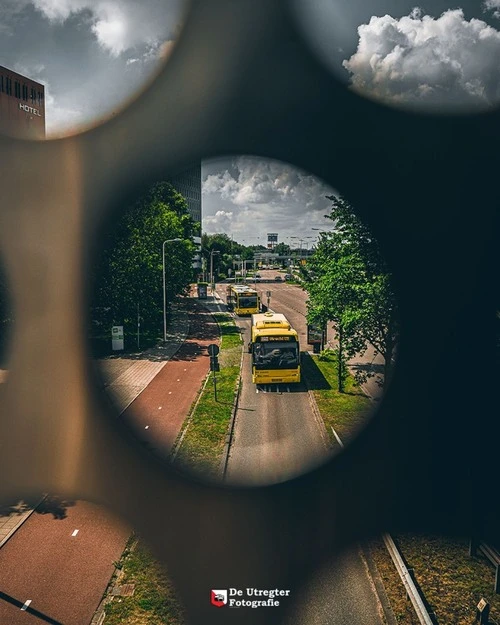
[(349, 286), (229, 250), (128, 277)]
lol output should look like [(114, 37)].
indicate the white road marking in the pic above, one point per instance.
[(26, 604), (75, 533), (337, 437)]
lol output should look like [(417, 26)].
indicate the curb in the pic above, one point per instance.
[(230, 434), (378, 584)]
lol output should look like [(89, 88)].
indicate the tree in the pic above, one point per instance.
[(349, 284), (129, 274), (282, 249)]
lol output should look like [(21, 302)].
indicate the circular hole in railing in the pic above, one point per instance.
[(67, 66), (245, 356), (79, 562), (440, 58)]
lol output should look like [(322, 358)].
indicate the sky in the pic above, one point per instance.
[(93, 55), (435, 56), (248, 197)]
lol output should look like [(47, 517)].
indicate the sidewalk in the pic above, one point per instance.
[(158, 414), (125, 377)]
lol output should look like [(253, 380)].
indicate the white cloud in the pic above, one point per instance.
[(222, 221), (261, 196), (118, 26), (427, 62), (493, 5)]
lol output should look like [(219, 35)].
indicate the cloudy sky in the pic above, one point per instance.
[(91, 55), (438, 56), (247, 197)]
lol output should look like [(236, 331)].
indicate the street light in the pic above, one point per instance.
[(212, 252), (165, 290)]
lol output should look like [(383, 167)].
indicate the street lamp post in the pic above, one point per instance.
[(165, 289), (212, 269)]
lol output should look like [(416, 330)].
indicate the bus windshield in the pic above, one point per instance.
[(247, 301), (276, 355)]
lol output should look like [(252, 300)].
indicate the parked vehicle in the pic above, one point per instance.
[(278, 279)]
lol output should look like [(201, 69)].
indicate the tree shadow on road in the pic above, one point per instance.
[(56, 506), (20, 506)]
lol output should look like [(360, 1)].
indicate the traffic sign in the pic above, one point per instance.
[(213, 349)]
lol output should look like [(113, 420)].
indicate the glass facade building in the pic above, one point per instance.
[(188, 184)]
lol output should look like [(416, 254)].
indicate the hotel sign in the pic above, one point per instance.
[(29, 109)]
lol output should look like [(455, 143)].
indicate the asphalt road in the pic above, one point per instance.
[(276, 434), (56, 567), (291, 300), (342, 594)]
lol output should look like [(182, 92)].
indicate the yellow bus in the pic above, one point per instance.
[(243, 299), (275, 350)]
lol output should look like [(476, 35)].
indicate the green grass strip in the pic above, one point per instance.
[(154, 601), (346, 412), (204, 439), (452, 581)]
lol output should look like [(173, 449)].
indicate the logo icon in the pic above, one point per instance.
[(218, 597)]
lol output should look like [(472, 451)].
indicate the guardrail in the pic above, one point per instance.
[(413, 593), (493, 556)]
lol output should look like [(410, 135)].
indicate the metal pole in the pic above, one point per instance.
[(164, 299), (165, 289)]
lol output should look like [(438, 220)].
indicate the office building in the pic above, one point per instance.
[(22, 106), (188, 184)]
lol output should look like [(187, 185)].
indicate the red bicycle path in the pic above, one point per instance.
[(157, 414)]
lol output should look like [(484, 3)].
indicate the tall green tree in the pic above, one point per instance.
[(129, 275), (349, 285)]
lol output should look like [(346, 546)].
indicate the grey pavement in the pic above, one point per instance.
[(126, 376)]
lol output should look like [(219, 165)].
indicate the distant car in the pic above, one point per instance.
[(257, 275), (288, 276), (278, 279)]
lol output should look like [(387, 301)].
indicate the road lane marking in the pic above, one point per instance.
[(337, 437), (26, 604), (75, 533)]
